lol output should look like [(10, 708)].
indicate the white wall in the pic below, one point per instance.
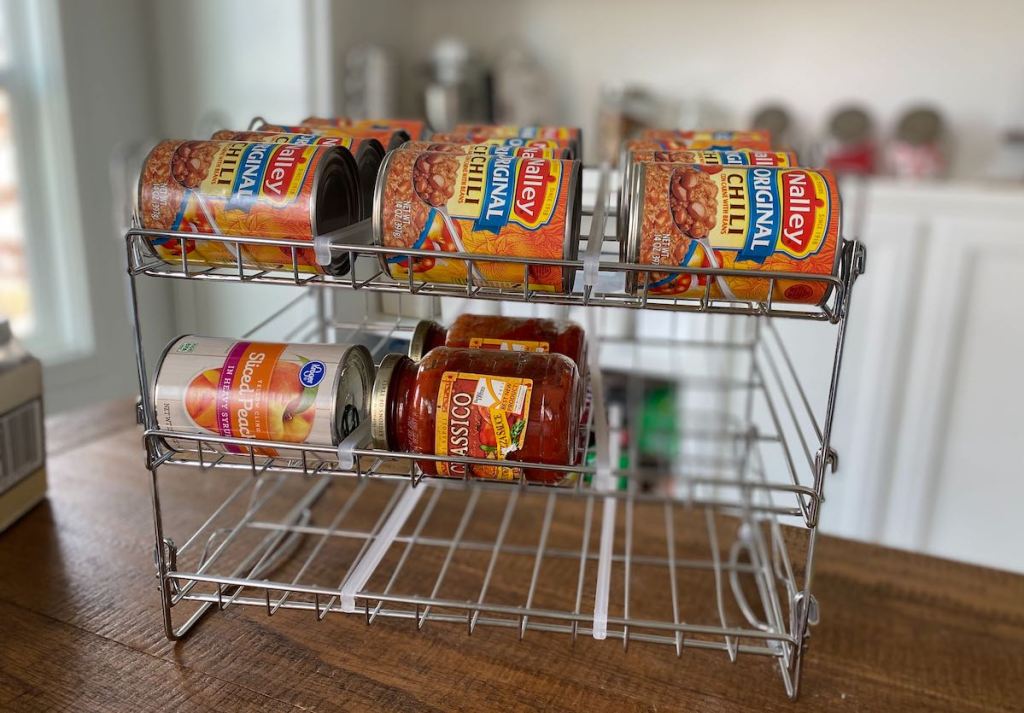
[(809, 54), (108, 75)]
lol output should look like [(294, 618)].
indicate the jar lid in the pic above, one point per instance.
[(418, 343), (379, 399)]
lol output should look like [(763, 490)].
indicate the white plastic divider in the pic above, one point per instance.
[(356, 439), (358, 233), (603, 481), (385, 538)]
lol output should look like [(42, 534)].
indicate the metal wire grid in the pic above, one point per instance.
[(591, 285), (747, 586), (773, 621)]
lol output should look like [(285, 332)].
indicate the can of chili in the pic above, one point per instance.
[(515, 142), (368, 154), (755, 139), (389, 138), (747, 218), (739, 157), (491, 149), (480, 204), (572, 135), (252, 190), (414, 127), (313, 394)]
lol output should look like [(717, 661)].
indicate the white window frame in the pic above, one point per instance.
[(41, 126)]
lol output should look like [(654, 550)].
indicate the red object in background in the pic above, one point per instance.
[(857, 158)]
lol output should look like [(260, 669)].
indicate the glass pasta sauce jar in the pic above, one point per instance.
[(494, 405), (494, 332)]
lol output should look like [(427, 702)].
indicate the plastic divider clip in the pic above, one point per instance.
[(359, 233), (356, 439)]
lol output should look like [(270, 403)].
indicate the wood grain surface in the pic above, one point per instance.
[(80, 626)]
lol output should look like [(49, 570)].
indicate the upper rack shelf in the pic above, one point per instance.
[(600, 276)]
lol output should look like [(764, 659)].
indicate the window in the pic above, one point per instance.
[(40, 243)]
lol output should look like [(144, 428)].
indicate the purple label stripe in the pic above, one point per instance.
[(227, 377)]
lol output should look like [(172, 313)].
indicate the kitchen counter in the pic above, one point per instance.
[(81, 628)]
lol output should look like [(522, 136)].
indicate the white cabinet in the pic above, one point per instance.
[(929, 422)]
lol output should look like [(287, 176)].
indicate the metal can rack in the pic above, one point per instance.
[(333, 532)]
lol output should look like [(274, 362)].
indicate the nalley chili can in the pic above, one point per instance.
[(481, 204), (515, 142), (314, 394), (572, 135), (251, 190), (368, 154), (708, 157), (390, 138), (755, 139), (734, 217), (416, 128), (491, 149)]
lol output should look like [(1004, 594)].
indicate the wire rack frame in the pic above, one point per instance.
[(774, 623)]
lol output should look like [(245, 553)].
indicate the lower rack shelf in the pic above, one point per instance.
[(635, 570)]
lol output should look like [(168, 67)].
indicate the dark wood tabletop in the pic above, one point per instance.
[(80, 629)]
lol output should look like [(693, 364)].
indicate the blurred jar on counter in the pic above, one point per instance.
[(917, 149), (850, 146)]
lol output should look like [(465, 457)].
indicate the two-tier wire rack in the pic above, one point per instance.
[(712, 550)]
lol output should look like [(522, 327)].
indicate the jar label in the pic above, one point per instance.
[(509, 345), (481, 416)]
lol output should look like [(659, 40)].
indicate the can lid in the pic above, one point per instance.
[(379, 399), (418, 345), (352, 395)]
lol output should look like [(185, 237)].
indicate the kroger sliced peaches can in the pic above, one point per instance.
[(707, 157), (481, 204), (292, 393), (749, 218), (261, 190)]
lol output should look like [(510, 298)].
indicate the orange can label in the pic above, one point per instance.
[(487, 148), (739, 157), (721, 140), (743, 218), (477, 203), (232, 188)]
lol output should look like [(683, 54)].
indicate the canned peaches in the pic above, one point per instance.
[(756, 139), (247, 189), (740, 218), (489, 149), (481, 204), (314, 394), (389, 138), (368, 154), (739, 157)]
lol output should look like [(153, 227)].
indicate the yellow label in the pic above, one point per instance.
[(481, 416), (509, 345)]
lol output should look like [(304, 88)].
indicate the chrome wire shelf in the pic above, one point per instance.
[(708, 548), (600, 277)]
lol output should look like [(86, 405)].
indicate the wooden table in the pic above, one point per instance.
[(80, 629)]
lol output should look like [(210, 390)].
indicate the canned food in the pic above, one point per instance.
[(414, 127), (738, 218), (368, 154), (486, 205), (740, 157), (490, 149), (314, 394), (553, 145), (572, 135), (754, 139), (248, 189), (389, 138)]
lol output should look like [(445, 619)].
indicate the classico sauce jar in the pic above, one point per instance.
[(471, 403)]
